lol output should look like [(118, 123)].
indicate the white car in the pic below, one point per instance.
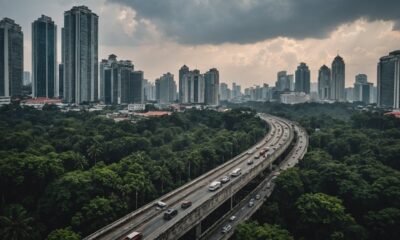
[(226, 228), (233, 218)]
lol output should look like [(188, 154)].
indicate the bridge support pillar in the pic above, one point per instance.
[(198, 231)]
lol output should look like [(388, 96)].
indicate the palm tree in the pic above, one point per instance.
[(16, 225), (95, 151)]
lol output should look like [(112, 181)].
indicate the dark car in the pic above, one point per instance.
[(170, 213)]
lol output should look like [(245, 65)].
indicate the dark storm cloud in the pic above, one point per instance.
[(248, 21)]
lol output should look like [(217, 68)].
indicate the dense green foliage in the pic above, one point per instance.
[(348, 184), (65, 175)]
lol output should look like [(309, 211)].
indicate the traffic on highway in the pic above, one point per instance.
[(154, 219)]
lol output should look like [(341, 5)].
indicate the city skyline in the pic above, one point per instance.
[(246, 62)]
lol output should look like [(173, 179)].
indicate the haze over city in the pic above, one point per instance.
[(249, 41)]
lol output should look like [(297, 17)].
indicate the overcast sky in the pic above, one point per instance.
[(249, 41)]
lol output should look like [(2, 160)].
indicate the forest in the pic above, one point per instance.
[(346, 187), (65, 175)]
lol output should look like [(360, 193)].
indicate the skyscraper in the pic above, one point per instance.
[(284, 82), (136, 88), (211, 89), (125, 69), (11, 58), (324, 81), (302, 79), (338, 79), (193, 87), (80, 55), (110, 82), (182, 71), (223, 92), (360, 81), (44, 58), (389, 80), (166, 89)]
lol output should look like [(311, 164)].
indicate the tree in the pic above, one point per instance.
[(15, 224), (63, 234), (320, 215), (384, 224), (254, 231), (95, 151)]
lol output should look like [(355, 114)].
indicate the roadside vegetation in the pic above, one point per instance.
[(346, 187), (65, 175)]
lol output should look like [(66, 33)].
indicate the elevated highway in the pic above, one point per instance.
[(149, 221)]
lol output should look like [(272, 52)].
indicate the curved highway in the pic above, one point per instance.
[(149, 220)]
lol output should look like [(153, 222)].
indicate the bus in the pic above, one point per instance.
[(214, 185), (134, 236), (236, 172)]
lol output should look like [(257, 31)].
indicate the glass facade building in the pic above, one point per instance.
[(80, 56), (302, 78), (44, 58), (11, 58), (389, 81)]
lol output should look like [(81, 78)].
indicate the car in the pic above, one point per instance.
[(269, 185), (251, 204), (257, 156), (250, 152), (226, 228), (258, 147), (185, 204), (134, 236), (225, 179), (250, 161), (170, 213), (233, 218), (236, 172), (258, 196), (160, 205), (214, 185)]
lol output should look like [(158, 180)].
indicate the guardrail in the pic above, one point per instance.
[(165, 198)]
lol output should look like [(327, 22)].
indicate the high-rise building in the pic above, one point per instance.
[(110, 81), (27, 78), (211, 81), (149, 91), (11, 58), (284, 82), (136, 88), (193, 87), (80, 57), (61, 80), (125, 68), (236, 91), (119, 83), (44, 58), (223, 92), (361, 88), (166, 89), (182, 71), (324, 81), (338, 79), (389, 80), (302, 79)]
